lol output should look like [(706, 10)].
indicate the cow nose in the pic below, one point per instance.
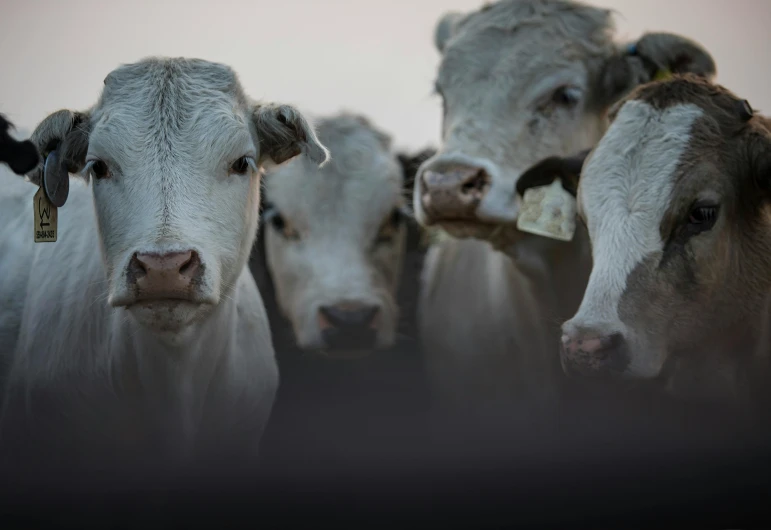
[(454, 193), (168, 275), (592, 354), (349, 325)]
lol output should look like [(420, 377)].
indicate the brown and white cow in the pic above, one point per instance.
[(677, 200), (521, 81)]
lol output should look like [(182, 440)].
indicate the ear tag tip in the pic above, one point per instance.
[(548, 211)]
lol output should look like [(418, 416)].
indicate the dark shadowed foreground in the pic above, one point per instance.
[(626, 462)]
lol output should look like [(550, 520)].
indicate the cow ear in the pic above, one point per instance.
[(21, 156), (567, 169), (654, 56), (410, 163), (66, 132), (283, 133), (445, 29), (759, 147)]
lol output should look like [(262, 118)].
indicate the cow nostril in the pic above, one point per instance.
[(136, 267), (190, 265), (477, 184)]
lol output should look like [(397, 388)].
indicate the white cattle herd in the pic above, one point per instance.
[(131, 323)]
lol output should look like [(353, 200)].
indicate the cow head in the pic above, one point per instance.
[(334, 242), (676, 201), (171, 150), (521, 81)]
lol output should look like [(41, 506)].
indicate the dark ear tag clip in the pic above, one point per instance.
[(56, 180)]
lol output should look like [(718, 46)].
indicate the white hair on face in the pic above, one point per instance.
[(624, 191)]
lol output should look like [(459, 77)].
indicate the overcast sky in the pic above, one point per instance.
[(371, 56)]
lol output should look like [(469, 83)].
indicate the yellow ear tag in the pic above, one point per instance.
[(664, 73), (46, 218), (548, 211)]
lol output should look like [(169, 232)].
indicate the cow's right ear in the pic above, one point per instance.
[(567, 169), (67, 132), (445, 29), (283, 133)]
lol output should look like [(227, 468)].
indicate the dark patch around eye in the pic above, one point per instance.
[(701, 218), (389, 228)]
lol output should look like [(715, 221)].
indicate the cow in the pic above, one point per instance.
[(520, 81), (139, 335), (19, 156), (677, 202), (337, 262)]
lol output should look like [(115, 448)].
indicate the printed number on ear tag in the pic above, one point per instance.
[(56, 180), (548, 211), (46, 218)]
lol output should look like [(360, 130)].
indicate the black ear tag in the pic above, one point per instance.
[(56, 180)]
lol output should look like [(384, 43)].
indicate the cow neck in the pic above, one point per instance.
[(558, 270)]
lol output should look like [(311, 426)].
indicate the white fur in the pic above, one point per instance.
[(169, 130), (337, 211), (625, 190)]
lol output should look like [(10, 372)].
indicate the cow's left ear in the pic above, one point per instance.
[(410, 163), (654, 56), (567, 169), (283, 133), (759, 152)]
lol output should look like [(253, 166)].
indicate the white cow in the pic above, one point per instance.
[(520, 81), (140, 330)]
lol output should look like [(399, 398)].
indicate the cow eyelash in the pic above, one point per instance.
[(701, 218), (98, 169), (241, 165), (703, 215)]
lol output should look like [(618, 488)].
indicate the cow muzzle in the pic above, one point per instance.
[(592, 354), (349, 329), (452, 193)]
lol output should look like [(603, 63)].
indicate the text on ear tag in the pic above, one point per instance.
[(548, 211), (46, 218), (56, 180)]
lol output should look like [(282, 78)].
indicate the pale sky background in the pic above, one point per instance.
[(370, 56)]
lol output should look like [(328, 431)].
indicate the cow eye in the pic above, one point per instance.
[(390, 227), (281, 226), (702, 217), (240, 166), (100, 170), (566, 96)]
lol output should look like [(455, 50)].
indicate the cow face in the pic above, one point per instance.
[(675, 198), (335, 240), (522, 81), (172, 150)]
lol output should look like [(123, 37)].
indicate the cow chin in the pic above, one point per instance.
[(500, 236), (168, 316)]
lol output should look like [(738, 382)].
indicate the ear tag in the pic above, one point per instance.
[(56, 180), (46, 218), (548, 211), (664, 73)]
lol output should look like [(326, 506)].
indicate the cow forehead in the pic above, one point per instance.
[(316, 199), (522, 40), (627, 185), (172, 99)]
